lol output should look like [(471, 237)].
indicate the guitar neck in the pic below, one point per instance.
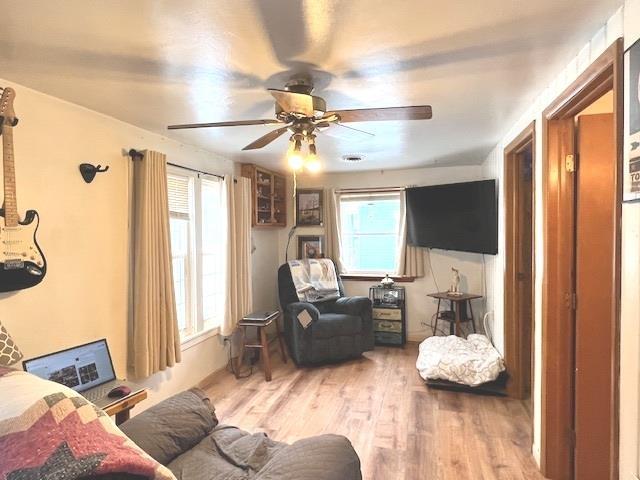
[(11, 218)]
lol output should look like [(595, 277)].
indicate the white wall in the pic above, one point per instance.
[(630, 302), (420, 308), (83, 233), (266, 260), (493, 167)]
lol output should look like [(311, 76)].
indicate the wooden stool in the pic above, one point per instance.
[(260, 320)]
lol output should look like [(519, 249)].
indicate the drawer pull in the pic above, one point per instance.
[(388, 326), (390, 314)]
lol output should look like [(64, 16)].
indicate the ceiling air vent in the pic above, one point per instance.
[(352, 158)]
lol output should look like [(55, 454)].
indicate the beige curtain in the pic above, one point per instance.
[(332, 227), (239, 292), (156, 340), (411, 259)]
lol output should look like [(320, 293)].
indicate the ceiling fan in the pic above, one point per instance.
[(304, 115)]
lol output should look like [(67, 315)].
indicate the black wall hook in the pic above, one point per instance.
[(89, 171)]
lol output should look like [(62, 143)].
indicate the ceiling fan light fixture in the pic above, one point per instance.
[(312, 164), (296, 161), (294, 154)]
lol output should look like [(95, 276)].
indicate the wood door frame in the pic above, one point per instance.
[(558, 339), (513, 327)]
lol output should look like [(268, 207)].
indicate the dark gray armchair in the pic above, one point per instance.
[(340, 329)]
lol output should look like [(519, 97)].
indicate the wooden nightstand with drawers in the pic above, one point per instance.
[(389, 319)]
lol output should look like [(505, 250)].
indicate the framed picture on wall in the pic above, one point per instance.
[(310, 246), (309, 207), (632, 124)]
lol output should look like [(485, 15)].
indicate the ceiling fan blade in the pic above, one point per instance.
[(266, 139), (292, 102), (224, 124), (421, 112), (346, 133)]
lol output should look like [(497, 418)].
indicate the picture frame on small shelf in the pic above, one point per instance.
[(309, 207), (310, 246)]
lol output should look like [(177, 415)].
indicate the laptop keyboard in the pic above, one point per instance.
[(97, 393)]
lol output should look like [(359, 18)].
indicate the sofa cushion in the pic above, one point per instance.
[(228, 453), (336, 324), (232, 454), (173, 426)]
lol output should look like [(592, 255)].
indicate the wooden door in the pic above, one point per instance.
[(558, 336), (525, 270), (595, 296), (519, 266)]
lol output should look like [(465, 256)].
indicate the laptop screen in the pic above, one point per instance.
[(79, 368)]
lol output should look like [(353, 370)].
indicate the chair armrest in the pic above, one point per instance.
[(299, 339), (294, 309), (358, 306), (361, 307)]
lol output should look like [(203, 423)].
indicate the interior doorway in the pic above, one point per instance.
[(519, 162), (581, 286)]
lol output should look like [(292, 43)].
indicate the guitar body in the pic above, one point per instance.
[(22, 263)]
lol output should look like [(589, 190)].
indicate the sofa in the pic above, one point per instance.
[(340, 329), (183, 434), (48, 430)]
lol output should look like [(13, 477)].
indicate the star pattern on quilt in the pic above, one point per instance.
[(64, 437), (60, 465), (9, 351)]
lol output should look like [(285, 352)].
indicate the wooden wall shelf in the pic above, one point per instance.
[(269, 196)]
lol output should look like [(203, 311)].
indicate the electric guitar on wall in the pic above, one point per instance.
[(22, 264)]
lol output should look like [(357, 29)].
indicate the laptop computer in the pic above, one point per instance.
[(87, 369)]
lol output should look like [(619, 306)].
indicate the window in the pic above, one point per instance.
[(369, 229), (197, 215)]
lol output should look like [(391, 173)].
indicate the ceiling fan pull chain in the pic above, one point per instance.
[(295, 184)]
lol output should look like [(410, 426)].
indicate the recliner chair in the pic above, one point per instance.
[(340, 329)]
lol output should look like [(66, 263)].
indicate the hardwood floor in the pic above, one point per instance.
[(400, 429)]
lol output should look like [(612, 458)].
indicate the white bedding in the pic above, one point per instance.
[(472, 362)]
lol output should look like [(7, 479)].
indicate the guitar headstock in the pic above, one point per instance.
[(7, 113)]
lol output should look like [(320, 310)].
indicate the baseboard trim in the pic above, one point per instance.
[(210, 379), (416, 337)]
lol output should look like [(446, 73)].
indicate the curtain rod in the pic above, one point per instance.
[(365, 190), (135, 154)]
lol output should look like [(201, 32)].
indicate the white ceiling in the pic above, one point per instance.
[(153, 63)]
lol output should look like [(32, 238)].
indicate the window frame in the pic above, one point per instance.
[(194, 278), (368, 274)]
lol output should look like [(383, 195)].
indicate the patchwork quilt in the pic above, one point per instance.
[(48, 431)]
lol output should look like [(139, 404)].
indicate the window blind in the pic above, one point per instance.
[(178, 193), (368, 196)]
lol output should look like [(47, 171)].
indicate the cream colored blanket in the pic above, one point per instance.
[(315, 280)]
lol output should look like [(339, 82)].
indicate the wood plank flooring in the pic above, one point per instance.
[(400, 429)]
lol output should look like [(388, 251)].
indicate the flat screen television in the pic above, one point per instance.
[(457, 216)]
